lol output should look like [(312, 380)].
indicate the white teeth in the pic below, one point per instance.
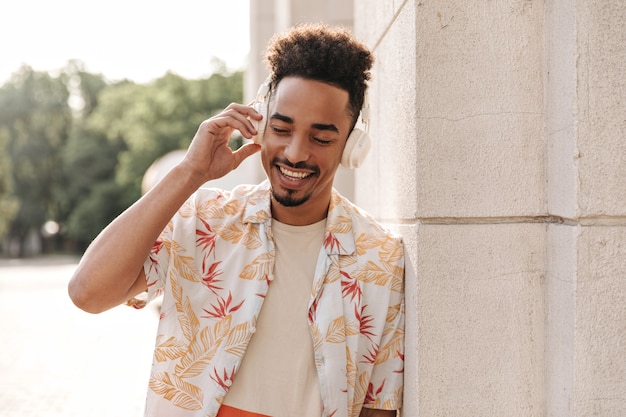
[(293, 174)]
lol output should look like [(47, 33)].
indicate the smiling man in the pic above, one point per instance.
[(280, 299)]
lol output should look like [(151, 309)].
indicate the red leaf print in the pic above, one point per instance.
[(370, 397), (371, 356), (364, 322), (223, 308), (331, 242), (401, 370), (206, 240), (156, 248), (226, 380), (209, 277), (350, 287), (314, 306)]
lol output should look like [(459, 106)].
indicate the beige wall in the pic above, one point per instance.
[(500, 155)]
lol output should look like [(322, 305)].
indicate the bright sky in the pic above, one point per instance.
[(135, 39)]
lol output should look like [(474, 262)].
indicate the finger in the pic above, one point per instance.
[(239, 119), (244, 152), (223, 125)]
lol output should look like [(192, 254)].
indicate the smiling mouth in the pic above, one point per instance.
[(293, 174)]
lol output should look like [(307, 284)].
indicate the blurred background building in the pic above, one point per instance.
[(500, 155)]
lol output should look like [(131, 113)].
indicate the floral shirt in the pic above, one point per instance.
[(213, 264)]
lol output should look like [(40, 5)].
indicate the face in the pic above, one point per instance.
[(308, 124)]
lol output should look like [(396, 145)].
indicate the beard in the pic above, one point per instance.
[(289, 199)]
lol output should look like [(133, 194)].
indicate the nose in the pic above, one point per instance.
[(297, 149)]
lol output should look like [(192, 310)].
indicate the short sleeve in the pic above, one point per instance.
[(154, 269)]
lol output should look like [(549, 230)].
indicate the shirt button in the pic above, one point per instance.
[(270, 278), (252, 329), (228, 382)]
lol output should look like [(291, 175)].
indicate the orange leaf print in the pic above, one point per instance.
[(341, 224), (391, 348), (202, 349), (183, 265), (170, 349), (188, 320), (336, 331), (351, 367), (259, 268), (372, 273), (365, 242), (237, 339), (176, 390), (391, 251)]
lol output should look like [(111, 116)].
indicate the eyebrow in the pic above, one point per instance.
[(318, 126)]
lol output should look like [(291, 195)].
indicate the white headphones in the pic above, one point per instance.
[(357, 145)]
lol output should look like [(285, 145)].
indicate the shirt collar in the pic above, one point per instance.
[(338, 237)]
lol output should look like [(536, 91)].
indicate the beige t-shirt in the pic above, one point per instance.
[(277, 376)]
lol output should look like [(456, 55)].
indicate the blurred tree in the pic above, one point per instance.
[(89, 160), (35, 119), (8, 201), (131, 126), (165, 117), (74, 148)]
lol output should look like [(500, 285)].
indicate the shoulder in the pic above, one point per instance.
[(244, 193), (361, 221)]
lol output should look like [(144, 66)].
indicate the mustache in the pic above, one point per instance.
[(299, 165)]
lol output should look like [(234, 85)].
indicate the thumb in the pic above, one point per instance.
[(244, 152)]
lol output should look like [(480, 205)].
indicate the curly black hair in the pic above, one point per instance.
[(322, 53)]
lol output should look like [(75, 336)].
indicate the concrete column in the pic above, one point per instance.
[(586, 280), (459, 169)]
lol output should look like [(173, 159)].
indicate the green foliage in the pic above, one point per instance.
[(8, 201), (35, 120), (165, 115), (82, 163)]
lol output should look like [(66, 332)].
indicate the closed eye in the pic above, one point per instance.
[(322, 141), (279, 130)]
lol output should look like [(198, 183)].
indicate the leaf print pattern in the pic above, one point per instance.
[(171, 349), (350, 287), (331, 243), (365, 327), (215, 272), (210, 276), (176, 390), (259, 268), (183, 264), (223, 308), (225, 379), (206, 239)]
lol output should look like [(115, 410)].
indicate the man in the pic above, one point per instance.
[(280, 299)]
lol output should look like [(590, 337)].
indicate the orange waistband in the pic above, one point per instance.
[(228, 411)]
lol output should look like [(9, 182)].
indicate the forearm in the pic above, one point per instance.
[(111, 270)]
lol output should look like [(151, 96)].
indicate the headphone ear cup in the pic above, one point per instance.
[(260, 107), (356, 149)]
